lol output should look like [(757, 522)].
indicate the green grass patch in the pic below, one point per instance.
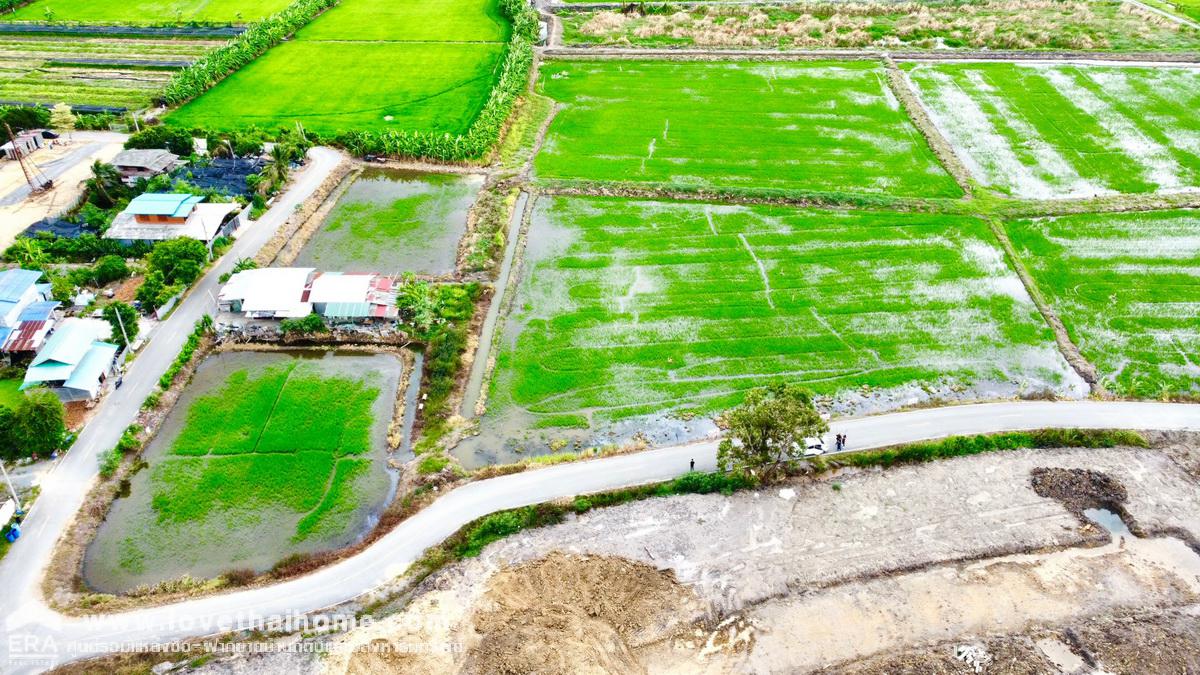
[(962, 446), (1127, 286), (1050, 131), (629, 307), (826, 127), (10, 393), (441, 60), (148, 12)]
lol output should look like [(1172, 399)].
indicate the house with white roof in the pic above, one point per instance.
[(156, 216), (75, 361), (295, 292), (135, 164), (26, 310)]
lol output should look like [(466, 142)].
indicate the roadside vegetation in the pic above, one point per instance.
[(975, 24)]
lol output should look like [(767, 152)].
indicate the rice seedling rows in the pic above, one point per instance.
[(1127, 286), (147, 12), (1051, 131), (630, 308), (367, 65), (825, 127)]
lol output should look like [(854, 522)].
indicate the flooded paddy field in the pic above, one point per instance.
[(392, 221), (266, 454)]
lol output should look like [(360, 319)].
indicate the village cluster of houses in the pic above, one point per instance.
[(71, 357)]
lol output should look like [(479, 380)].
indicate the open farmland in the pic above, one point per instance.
[(267, 454), (1052, 131), (394, 222), (629, 308), (367, 65), (115, 72), (148, 12), (1127, 286), (977, 24), (824, 127)]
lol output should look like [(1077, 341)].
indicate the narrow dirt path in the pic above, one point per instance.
[(941, 147)]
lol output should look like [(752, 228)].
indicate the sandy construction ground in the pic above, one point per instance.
[(810, 576), (68, 164)]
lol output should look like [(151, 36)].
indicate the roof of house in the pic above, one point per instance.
[(339, 287), (75, 355), (26, 337), (96, 361), (38, 311), (277, 290), (173, 205), (202, 224), (157, 160), (15, 282), (354, 295), (71, 341)]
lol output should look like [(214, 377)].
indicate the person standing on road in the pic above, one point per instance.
[(692, 465)]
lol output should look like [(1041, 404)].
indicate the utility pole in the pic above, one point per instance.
[(121, 323), (11, 490)]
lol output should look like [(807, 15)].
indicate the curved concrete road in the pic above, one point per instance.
[(38, 637), (65, 488)]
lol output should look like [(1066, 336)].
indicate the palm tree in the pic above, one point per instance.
[(277, 170), (27, 253)]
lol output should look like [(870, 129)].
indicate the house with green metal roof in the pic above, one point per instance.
[(74, 362), (156, 216)]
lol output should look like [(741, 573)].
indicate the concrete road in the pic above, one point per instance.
[(38, 637), (64, 489)]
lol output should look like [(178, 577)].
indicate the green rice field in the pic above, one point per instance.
[(267, 454), (394, 222), (1052, 131), (629, 308), (117, 72), (826, 127), (1127, 286), (148, 12), (367, 65)]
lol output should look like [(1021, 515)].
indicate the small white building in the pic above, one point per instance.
[(24, 143), (268, 293)]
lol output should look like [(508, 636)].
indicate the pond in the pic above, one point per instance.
[(393, 222), (266, 454)]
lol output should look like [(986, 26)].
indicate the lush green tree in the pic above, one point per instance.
[(28, 253), (178, 141), (313, 323), (417, 302), (21, 118), (34, 427), (110, 268), (179, 260), (62, 288), (768, 430), (105, 188), (123, 319)]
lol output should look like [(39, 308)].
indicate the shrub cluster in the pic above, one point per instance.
[(313, 323), (203, 326), (194, 80), (485, 130)]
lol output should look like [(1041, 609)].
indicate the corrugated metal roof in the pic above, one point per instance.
[(38, 311), (69, 343), (95, 363), (347, 310), (162, 204), (14, 283), (25, 337)]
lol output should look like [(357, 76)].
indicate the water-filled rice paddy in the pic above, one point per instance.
[(1051, 131), (1127, 286), (827, 127), (628, 308), (394, 222), (266, 454)]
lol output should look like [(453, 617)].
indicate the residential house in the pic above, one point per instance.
[(292, 292), (135, 164), (157, 216), (24, 144), (75, 361), (26, 312)]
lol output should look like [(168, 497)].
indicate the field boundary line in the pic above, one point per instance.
[(910, 101), (1165, 14), (762, 270), (1066, 346), (1149, 59)]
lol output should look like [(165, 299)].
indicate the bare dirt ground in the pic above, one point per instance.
[(68, 164), (892, 571)]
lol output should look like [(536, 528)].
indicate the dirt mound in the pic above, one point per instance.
[(576, 614), (1080, 489)]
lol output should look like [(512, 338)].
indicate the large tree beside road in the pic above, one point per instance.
[(769, 430)]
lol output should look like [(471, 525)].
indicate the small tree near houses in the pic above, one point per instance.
[(62, 118), (768, 430)]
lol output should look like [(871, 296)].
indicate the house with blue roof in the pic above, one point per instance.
[(18, 290), (75, 360), (157, 216)]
